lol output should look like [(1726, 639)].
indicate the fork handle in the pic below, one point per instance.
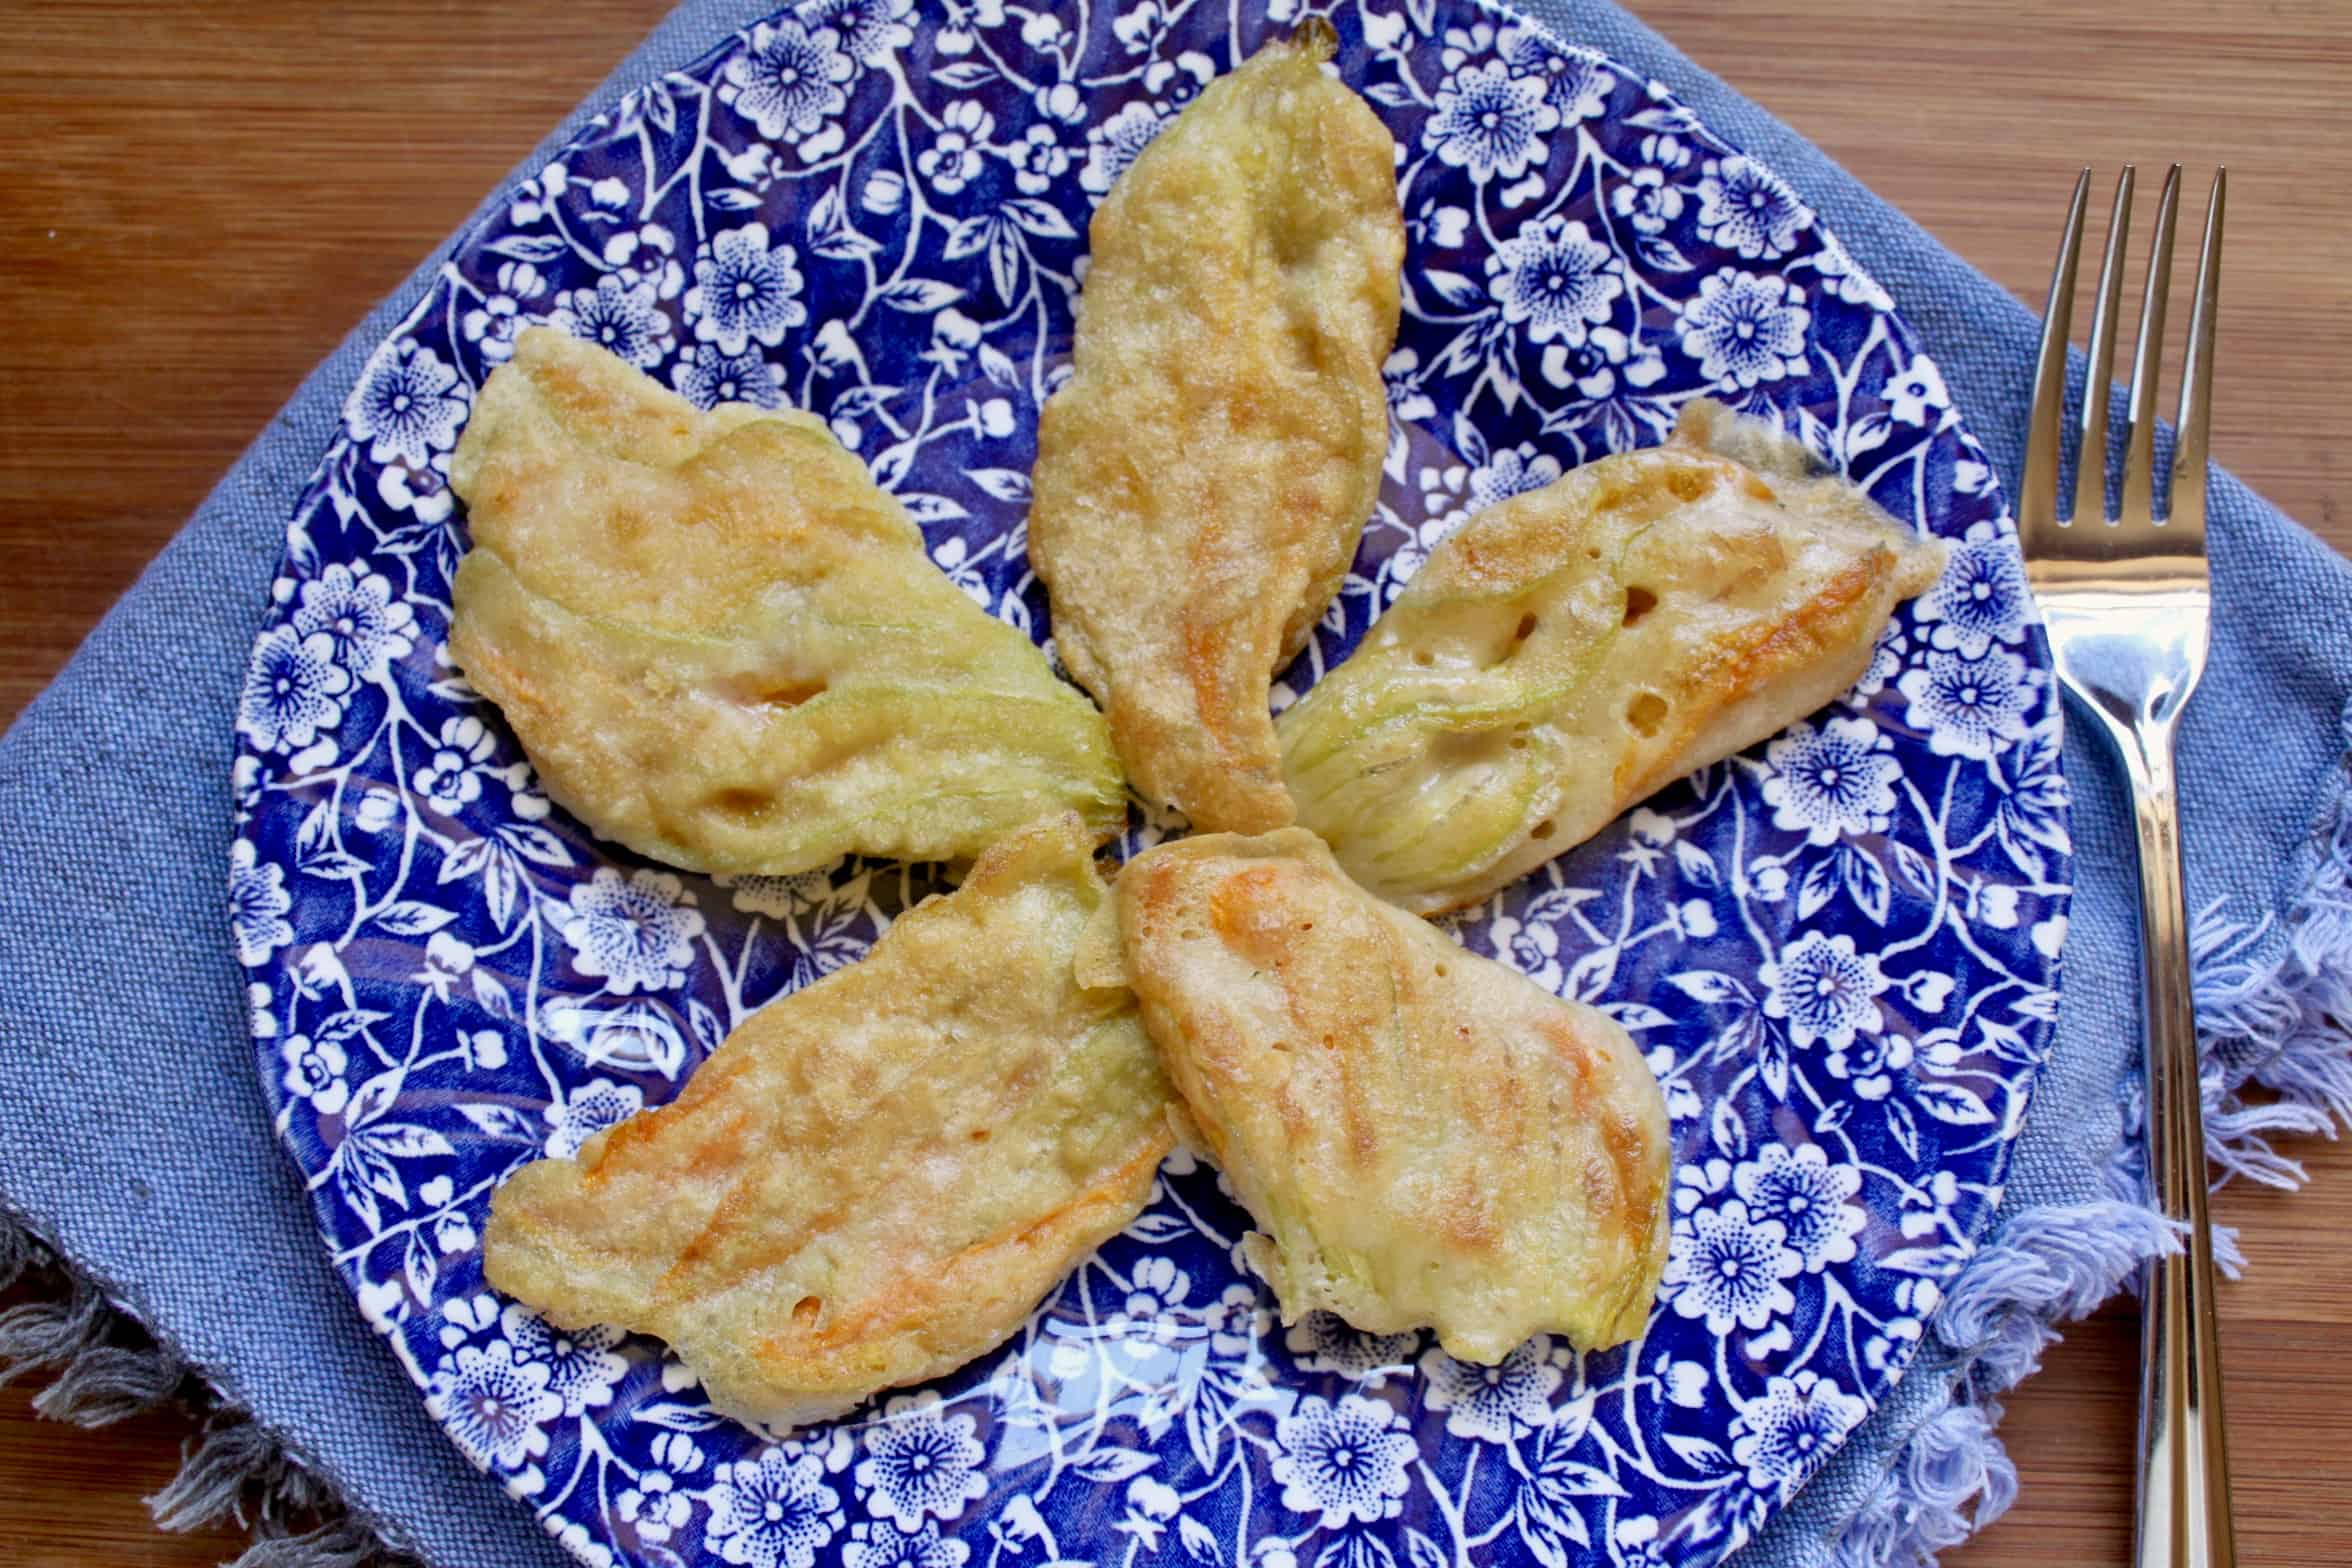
[(2184, 1504)]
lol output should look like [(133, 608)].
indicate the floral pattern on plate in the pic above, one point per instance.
[(1839, 949)]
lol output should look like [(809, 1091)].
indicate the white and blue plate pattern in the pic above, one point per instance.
[(1839, 950)]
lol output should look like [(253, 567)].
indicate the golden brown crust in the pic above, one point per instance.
[(1423, 1136), (723, 646), (874, 1179), (1202, 480), (1575, 648)]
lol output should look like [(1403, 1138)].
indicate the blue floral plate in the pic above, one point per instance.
[(1839, 949)]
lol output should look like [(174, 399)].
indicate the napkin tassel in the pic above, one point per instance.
[(97, 1381), (106, 1369), (231, 1456), (2284, 1025), (235, 1460)]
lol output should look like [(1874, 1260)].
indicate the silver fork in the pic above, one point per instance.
[(2126, 602)]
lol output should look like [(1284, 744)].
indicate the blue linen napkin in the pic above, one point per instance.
[(133, 1135)]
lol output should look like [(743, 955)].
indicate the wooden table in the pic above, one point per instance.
[(206, 195)]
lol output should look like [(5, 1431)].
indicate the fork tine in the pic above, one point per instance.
[(2136, 510), (2195, 424), (2037, 499), (2090, 479)]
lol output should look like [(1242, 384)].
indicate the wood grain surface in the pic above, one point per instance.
[(202, 197)]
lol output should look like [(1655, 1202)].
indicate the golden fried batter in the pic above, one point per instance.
[(1202, 480), (1424, 1136), (876, 1178), (723, 646), (1575, 648)]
